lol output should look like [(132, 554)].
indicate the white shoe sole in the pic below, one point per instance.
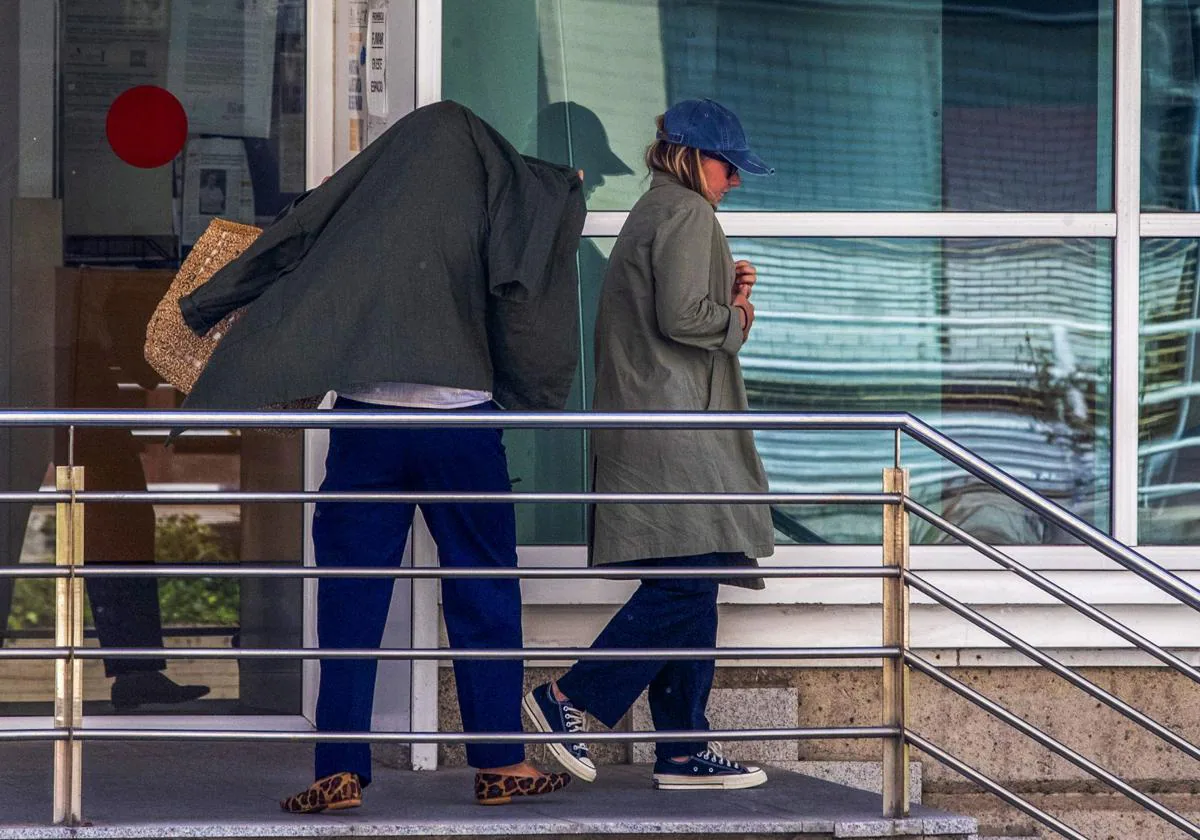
[(741, 781), (578, 769)]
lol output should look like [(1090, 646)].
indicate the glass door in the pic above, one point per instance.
[(218, 129)]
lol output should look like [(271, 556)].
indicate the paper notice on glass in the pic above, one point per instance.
[(216, 182), (377, 60), (105, 52), (109, 46), (222, 64), (356, 52)]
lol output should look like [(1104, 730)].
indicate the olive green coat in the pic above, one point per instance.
[(667, 340)]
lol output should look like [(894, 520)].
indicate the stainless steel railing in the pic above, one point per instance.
[(895, 652)]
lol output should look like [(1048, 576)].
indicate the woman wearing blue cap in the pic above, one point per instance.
[(674, 312)]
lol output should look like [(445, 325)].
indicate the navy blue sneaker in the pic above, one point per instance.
[(707, 770), (549, 715)]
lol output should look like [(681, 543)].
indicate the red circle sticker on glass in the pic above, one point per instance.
[(146, 126)]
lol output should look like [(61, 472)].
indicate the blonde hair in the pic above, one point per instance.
[(682, 162)]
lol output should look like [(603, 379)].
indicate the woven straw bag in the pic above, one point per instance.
[(172, 348)]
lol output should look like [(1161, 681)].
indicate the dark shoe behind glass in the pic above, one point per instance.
[(132, 690)]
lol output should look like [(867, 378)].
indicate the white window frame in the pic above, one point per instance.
[(1125, 227)]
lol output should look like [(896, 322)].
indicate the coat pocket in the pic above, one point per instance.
[(718, 382)]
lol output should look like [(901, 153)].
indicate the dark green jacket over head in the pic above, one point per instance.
[(438, 256)]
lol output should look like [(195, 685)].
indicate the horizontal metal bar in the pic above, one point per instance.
[(993, 786), (996, 710), (612, 654), (98, 570), (312, 496), (812, 420), (849, 732), (1118, 552), (1046, 585), (1082, 683), (172, 631), (32, 735)]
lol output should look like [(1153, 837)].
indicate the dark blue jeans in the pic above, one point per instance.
[(663, 613), (479, 613)]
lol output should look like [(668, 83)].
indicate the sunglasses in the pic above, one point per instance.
[(730, 169)]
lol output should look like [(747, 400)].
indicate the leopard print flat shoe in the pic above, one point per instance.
[(332, 793), (500, 788)]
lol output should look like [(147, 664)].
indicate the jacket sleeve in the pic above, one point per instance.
[(241, 282), (283, 244), (680, 259)]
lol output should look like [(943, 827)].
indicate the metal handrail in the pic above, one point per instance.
[(308, 736), (543, 654), (751, 420), (992, 786), (1082, 683), (1046, 585), (904, 422), (895, 650), (216, 497), (1120, 553), (312, 496), (1088, 766), (423, 573)]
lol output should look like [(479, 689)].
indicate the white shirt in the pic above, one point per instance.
[(412, 395)]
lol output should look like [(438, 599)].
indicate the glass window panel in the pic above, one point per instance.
[(1003, 105), (1171, 105), (1169, 413), (1004, 344), (73, 339)]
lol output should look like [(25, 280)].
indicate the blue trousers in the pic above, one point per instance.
[(479, 613), (663, 613)]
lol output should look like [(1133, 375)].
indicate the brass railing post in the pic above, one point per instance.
[(68, 633), (895, 633)]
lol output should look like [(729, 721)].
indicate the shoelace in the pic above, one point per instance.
[(714, 755), (574, 720)]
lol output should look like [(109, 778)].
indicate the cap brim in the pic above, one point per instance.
[(747, 161), (613, 165)]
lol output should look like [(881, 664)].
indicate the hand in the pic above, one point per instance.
[(745, 275), (745, 309)]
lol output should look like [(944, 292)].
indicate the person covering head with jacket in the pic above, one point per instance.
[(435, 271), (674, 312)]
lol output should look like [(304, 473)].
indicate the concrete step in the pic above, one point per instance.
[(230, 790)]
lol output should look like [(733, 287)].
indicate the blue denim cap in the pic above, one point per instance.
[(713, 129)]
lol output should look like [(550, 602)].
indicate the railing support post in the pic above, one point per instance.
[(895, 633), (68, 633)]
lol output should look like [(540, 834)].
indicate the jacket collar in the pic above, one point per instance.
[(662, 179)]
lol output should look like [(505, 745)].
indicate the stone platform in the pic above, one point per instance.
[(230, 790)]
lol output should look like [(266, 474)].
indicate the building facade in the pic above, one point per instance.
[(985, 213)]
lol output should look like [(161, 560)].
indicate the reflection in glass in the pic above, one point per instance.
[(1169, 414), (1171, 105), (875, 105), (1002, 344), (237, 68), (76, 342)]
